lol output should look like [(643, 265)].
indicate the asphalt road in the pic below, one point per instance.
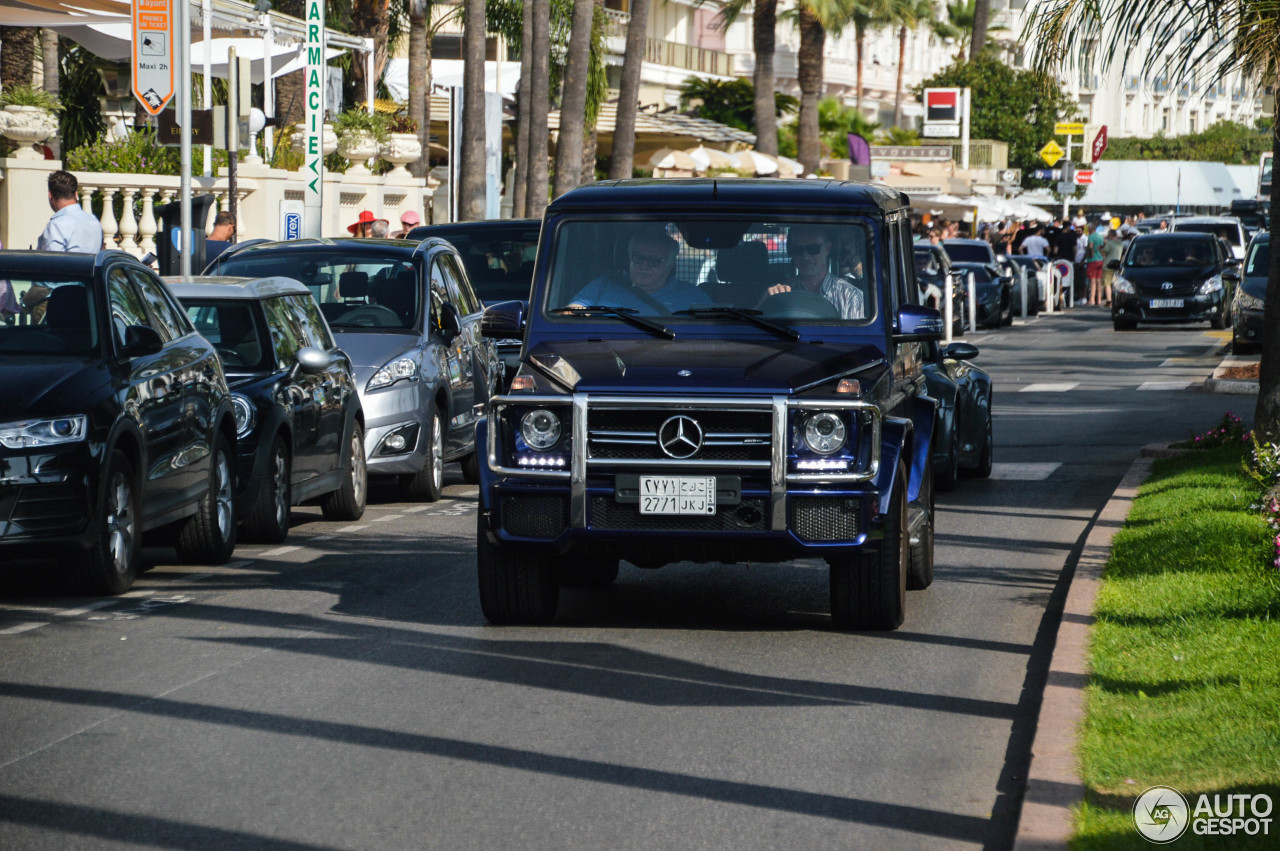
[(343, 691)]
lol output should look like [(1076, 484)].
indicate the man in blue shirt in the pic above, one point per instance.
[(651, 261), (70, 228)]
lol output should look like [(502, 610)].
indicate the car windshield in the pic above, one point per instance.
[(965, 253), (354, 291), (1227, 230), (1259, 259), (231, 328), (800, 270), (47, 317), (499, 261), (981, 273), (926, 263), (1169, 252)]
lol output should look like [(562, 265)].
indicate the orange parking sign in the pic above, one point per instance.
[(152, 53)]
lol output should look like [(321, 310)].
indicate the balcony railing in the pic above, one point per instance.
[(615, 23), (1089, 82), (687, 57)]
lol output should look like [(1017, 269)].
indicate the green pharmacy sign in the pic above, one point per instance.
[(313, 167)]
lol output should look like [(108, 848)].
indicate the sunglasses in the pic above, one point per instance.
[(810, 248), (648, 261)]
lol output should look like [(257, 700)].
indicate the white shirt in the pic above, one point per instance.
[(1035, 245), (72, 229)]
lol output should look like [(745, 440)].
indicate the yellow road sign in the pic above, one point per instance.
[(1068, 129), (1051, 153)]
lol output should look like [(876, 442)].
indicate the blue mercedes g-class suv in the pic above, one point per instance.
[(713, 371)]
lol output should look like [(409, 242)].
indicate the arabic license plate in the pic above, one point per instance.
[(1158, 303), (678, 495)]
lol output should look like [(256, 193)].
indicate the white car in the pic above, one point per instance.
[(1226, 227)]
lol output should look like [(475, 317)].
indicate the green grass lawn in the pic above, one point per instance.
[(1185, 654)]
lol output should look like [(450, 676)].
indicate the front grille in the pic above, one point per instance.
[(749, 516), (820, 519), (45, 509), (534, 516), (632, 434), (1180, 289)]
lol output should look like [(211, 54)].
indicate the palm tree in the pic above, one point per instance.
[(371, 19), (817, 18), (908, 14), (420, 78), (981, 17), (764, 25), (17, 56), (573, 102), (1197, 40), (624, 129), (960, 15), (291, 89), (866, 15), (539, 106), (471, 178), (520, 192)]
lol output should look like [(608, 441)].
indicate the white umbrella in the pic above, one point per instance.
[(666, 158), (755, 162), (709, 158), (797, 169)]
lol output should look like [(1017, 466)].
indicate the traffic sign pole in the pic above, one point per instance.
[(184, 118)]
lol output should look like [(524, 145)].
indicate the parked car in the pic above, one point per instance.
[(658, 420), (1225, 227), (1182, 276), (964, 442), (498, 256), (115, 420), (1247, 328), (993, 293), (297, 408), (407, 317), (970, 251), (1012, 265), (935, 276)]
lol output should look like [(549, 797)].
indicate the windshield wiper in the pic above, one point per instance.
[(747, 315), (626, 314)]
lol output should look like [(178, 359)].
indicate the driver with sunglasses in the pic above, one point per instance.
[(810, 249), (650, 285)]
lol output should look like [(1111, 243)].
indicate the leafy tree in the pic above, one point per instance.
[(1017, 107), (835, 122), (1225, 142), (730, 102)]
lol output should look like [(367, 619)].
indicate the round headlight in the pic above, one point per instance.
[(824, 433), (243, 411), (62, 428), (540, 428)]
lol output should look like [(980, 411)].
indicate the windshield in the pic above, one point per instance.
[(1227, 230), (499, 261), (53, 317), (354, 291), (796, 270), (230, 327), (963, 253), (981, 273), (1259, 259), (1170, 252)]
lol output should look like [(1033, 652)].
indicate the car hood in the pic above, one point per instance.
[(1156, 275), (50, 387), (373, 351), (713, 366)]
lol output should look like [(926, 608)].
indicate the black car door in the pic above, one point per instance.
[(336, 385), (484, 358), (456, 367), (302, 392)]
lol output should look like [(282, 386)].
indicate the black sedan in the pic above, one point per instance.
[(298, 414), (1182, 276), (993, 293), (963, 443), (116, 420), (1251, 296)]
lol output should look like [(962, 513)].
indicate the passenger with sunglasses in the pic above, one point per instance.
[(810, 249), (650, 285)]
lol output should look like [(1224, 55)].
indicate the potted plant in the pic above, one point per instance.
[(402, 145), (360, 135), (28, 118), (298, 142)]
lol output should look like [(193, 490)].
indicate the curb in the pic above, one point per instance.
[(1232, 386), (1054, 788)]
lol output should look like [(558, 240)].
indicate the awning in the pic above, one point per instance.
[(448, 72), (1162, 184)]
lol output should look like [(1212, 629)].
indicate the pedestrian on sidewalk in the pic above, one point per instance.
[(1093, 265), (363, 226), (1112, 249), (222, 237), (408, 221), (70, 228)]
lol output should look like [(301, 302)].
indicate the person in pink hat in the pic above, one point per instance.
[(408, 221)]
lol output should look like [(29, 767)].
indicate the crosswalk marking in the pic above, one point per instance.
[(1050, 387)]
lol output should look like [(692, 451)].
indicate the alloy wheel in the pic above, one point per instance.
[(223, 498), (280, 481), (359, 475), (120, 522), (437, 451)]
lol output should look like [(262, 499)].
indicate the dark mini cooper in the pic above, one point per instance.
[(115, 419), (964, 442), (1173, 277), (662, 414), (1251, 296), (298, 416)]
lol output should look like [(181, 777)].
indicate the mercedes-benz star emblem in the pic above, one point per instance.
[(680, 437)]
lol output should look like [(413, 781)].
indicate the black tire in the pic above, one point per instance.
[(1222, 319), (983, 470), (348, 502), (111, 565), (428, 484), (209, 537), (516, 586), (868, 588), (1123, 324), (589, 573), (1009, 320), (1240, 347), (920, 565), (471, 467), (269, 521), (951, 470)]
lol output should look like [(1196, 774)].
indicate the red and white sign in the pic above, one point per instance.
[(1100, 143), (153, 29), (942, 106), (1084, 177)]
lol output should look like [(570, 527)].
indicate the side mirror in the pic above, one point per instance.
[(141, 340), (450, 321), (960, 351), (312, 360), (1231, 274), (504, 320), (1006, 280), (917, 323), (1114, 265), (1233, 261)]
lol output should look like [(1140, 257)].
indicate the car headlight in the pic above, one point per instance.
[(242, 408), (1248, 302), (24, 434), (1122, 285), (540, 429), (824, 432), (398, 370), (1213, 285)]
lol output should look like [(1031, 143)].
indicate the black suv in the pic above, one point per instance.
[(297, 411), (1183, 276), (116, 419)]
